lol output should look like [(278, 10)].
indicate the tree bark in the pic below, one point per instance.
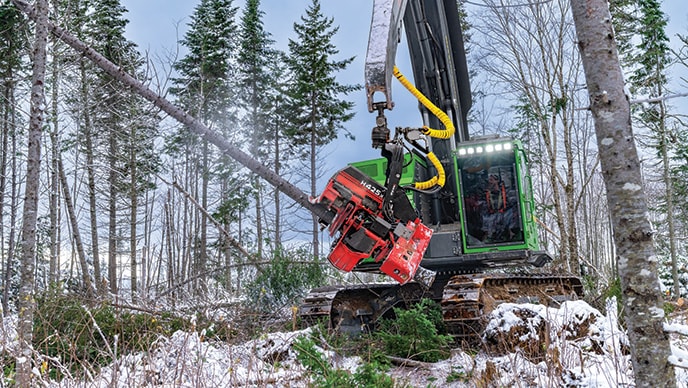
[(8, 129), (637, 262), (26, 303), (112, 213)]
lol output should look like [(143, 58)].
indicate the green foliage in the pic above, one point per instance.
[(614, 290), (370, 374), (415, 333), (66, 329), (8, 370), (281, 283), (668, 308), (665, 270), (13, 40)]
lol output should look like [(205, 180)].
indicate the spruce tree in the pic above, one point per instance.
[(205, 89), (255, 85), (316, 97), (121, 132)]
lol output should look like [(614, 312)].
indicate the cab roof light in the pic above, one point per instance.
[(487, 148)]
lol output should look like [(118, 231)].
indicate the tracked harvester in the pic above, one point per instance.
[(439, 212)]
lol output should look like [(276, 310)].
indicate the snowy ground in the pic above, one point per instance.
[(525, 346)]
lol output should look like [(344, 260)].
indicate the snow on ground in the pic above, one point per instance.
[(525, 345), (187, 360)]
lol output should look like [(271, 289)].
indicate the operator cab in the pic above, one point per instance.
[(490, 199)]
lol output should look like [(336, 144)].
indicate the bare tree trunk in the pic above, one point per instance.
[(91, 176), (637, 261), (133, 199), (54, 175), (76, 235), (314, 177), (669, 192), (278, 164), (26, 302), (14, 198), (147, 269), (112, 215), (203, 243), (170, 235), (7, 129)]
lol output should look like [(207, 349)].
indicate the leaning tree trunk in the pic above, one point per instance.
[(76, 235), (637, 262), (27, 304)]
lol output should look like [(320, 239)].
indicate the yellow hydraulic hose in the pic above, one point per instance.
[(436, 133), (439, 179), (446, 133)]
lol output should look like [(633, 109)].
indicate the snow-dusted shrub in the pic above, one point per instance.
[(82, 336), (414, 333), (324, 374), (290, 274)]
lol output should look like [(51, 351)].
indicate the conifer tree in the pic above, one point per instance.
[(204, 88), (255, 85), (316, 97), (120, 127)]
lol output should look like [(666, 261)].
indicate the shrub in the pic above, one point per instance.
[(286, 279), (80, 336), (415, 333), (368, 375)]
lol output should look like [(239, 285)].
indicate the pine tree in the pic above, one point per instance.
[(317, 106)]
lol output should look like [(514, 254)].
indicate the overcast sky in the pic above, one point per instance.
[(156, 26)]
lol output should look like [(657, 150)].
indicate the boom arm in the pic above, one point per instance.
[(438, 59)]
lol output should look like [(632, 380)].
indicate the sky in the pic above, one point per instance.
[(156, 26)]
